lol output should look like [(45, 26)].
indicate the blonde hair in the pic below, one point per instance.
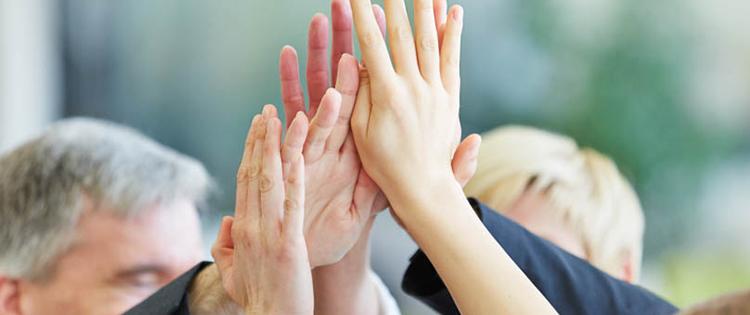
[(583, 187)]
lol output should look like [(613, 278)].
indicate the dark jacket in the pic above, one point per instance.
[(570, 284)]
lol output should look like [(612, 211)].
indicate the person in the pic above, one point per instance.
[(94, 218), (575, 198), (553, 278), (344, 287)]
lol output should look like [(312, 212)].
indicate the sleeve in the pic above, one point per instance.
[(570, 284), (172, 299), (387, 303)]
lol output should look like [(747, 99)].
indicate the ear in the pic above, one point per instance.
[(10, 296), (628, 273)]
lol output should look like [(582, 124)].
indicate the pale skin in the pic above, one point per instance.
[(113, 263), (405, 125), (343, 287), (263, 258)]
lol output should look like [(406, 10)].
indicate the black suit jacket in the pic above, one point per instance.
[(571, 285), (172, 299)]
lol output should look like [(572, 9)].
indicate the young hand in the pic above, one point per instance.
[(405, 122)]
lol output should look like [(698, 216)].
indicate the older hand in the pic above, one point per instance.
[(261, 253)]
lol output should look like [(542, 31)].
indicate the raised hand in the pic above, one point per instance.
[(340, 197), (261, 254), (406, 128), (409, 98)]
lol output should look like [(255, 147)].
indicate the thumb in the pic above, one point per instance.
[(465, 159), (223, 248)]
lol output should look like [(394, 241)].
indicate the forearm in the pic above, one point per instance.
[(345, 287), (480, 276), (207, 295)]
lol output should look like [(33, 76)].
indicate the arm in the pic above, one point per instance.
[(572, 285), (345, 287), (406, 129)]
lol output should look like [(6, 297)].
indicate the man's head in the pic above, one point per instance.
[(575, 198), (94, 218)]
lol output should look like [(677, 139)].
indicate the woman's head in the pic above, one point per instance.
[(575, 198)]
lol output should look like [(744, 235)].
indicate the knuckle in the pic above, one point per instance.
[(343, 120), (293, 99), (428, 43), (242, 235), (452, 61), (243, 176), (318, 75), (364, 77), (371, 39), (266, 183), (401, 33), (291, 204), (252, 172), (351, 92), (293, 179)]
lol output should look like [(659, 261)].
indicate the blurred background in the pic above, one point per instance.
[(661, 86)]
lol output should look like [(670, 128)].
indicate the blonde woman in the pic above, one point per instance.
[(574, 197)]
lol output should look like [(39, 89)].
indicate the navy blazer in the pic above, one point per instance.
[(570, 284)]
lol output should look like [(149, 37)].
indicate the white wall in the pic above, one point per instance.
[(29, 69)]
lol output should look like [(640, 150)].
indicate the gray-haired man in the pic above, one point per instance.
[(94, 218)]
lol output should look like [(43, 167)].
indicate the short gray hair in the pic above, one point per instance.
[(43, 184)]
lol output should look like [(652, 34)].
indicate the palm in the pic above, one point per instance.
[(333, 221)]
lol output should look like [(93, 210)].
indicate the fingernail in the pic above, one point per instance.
[(334, 92), (298, 116), (458, 14)]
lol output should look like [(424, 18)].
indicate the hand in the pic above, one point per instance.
[(341, 197), (405, 122), (261, 253)]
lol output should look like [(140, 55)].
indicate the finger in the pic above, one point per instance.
[(347, 84), (291, 89), (377, 10), (243, 172), (294, 142), (317, 61), (451, 51), (223, 248), (253, 191), (362, 107), (294, 204), (440, 7), (403, 52), (341, 18), (428, 51), (271, 179), (322, 125), (364, 196), (371, 42), (465, 159)]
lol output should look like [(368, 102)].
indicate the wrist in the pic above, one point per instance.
[(207, 295), (413, 187), (426, 196)]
